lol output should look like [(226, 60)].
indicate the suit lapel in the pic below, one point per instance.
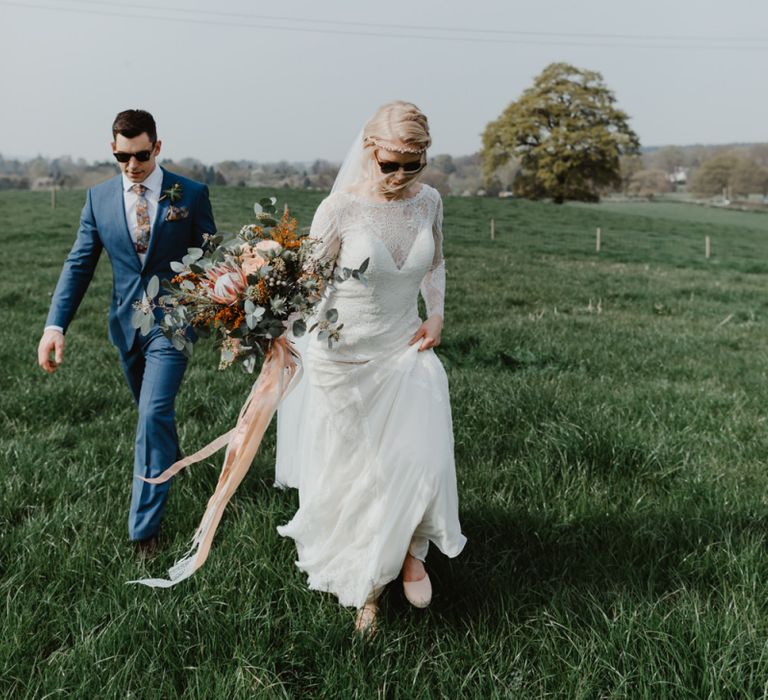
[(162, 211)]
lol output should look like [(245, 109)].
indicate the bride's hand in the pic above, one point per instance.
[(430, 331)]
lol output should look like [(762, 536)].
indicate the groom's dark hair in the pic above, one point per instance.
[(133, 122)]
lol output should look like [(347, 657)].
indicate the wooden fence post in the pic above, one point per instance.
[(707, 247), (493, 229), (598, 239), (53, 197)]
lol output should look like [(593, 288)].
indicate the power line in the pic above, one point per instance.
[(436, 28), (428, 37)]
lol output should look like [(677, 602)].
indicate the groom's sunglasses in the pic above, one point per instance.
[(388, 167), (141, 156)]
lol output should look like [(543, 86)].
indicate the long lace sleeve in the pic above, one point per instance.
[(433, 284), (325, 230)]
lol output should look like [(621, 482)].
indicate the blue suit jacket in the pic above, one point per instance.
[(103, 225)]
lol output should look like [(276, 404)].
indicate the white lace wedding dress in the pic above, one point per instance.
[(367, 435)]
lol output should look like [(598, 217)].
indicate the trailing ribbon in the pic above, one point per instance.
[(242, 442)]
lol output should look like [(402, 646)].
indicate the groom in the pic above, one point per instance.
[(145, 218)]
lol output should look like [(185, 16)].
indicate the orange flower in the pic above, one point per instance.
[(285, 232), (229, 317)]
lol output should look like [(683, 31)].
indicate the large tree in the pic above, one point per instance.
[(567, 134)]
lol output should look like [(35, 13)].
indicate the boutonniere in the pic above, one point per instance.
[(174, 193)]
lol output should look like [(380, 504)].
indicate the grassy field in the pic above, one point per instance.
[(611, 423)]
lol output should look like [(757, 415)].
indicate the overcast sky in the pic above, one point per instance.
[(224, 81)]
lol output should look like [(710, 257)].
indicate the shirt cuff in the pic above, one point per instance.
[(54, 328)]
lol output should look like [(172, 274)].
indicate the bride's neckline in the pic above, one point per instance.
[(389, 202)]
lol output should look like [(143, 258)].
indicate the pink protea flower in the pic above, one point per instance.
[(252, 260), (226, 283)]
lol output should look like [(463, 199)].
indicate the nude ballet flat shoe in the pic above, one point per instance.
[(418, 593)]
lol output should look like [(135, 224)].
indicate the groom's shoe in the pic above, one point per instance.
[(147, 547)]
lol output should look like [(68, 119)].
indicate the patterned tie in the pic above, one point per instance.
[(141, 239)]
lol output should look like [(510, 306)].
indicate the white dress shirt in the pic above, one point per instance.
[(154, 184)]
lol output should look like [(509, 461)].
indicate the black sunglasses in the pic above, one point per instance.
[(388, 167), (141, 156)]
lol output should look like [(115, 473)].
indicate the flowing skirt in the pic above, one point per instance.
[(370, 447)]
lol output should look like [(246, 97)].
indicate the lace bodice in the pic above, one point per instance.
[(403, 239)]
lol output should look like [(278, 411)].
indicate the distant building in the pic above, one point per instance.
[(679, 176)]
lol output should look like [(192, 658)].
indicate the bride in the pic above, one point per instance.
[(367, 436)]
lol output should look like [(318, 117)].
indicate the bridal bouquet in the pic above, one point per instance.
[(245, 290)]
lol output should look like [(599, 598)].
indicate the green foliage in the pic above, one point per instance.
[(715, 175), (731, 174), (609, 415), (567, 134)]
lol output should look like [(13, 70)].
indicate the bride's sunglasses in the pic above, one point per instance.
[(388, 167), (141, 156)]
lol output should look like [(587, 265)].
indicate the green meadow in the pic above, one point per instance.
[(611, 424)]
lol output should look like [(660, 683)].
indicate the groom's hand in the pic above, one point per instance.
[(51, 342)]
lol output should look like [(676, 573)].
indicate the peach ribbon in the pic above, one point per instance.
[(270, 388)]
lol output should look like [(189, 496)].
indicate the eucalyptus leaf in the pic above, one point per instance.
[(250, 307), (195, 253), (153, 287), (147, 324), (332, 315), (137, 318), (266, 219), (177, 341), (177, 266), (364, 265), (299, 328), (257, 208)]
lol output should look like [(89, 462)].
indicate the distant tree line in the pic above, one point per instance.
[(733, 172), (457, 175)]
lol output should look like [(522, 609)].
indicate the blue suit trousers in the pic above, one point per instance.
[(154, 370)]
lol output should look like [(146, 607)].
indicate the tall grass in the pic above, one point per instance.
[(610, 419)]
